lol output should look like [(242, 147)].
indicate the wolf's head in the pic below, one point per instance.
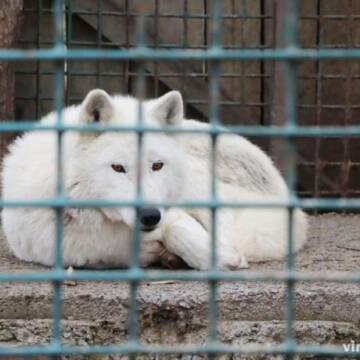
[(108, 165)]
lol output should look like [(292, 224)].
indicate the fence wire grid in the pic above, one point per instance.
[(251, 91), (59, 54)]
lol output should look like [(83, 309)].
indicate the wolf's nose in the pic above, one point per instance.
[(149, 217)]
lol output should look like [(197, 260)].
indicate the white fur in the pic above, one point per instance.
[(102, 237)]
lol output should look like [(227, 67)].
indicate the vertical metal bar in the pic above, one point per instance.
[(127, 40), (206, 27), (59, 76), (38, 45), (291, 41), (216, 13), (278, 116), (185, 42), (136, 243), (242, 44), (69, 30), (263, 44), (156, 39), (245, 13), (98, 40), (346, 166), (318, 167)]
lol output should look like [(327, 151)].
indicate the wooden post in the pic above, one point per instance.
[(10, 21)]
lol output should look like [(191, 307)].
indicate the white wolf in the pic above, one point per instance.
[(174, 168)]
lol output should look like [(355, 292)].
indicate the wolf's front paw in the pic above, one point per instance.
[(171, 217), (233, 262), (149, 253), (171, 261)]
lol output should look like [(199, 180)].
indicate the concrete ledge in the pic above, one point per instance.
[(96, 313)]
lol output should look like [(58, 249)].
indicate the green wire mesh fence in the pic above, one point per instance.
[(60, 54), (251, 91)]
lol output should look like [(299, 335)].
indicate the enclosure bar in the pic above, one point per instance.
[(133, 337), (38, 41), (273, 131), (58, 91), (68, 73), (188, 275), (98, 40), (291, 41), (168, 46), (127, 66), (156, 74), (264, 97), (180, 54), (242, 45), (318, 102), (322, 204), (212, 349), (185, 45), (216, 11), (345, 168)]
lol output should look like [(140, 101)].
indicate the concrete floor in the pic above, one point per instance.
[(176, 312)]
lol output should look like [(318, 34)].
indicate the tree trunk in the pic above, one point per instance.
[(10, 21)]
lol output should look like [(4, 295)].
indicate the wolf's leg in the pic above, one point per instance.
[(184, 236), (153, 252)]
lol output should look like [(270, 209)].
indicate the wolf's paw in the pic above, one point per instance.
[(233, 262), (171, 217), (149, 252), (171, 261)]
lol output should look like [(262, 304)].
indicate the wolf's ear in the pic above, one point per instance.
[(169, 109), (97, 107)]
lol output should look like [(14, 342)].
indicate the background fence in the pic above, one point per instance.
[(253, 92)]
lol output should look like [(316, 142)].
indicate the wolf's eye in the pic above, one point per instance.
[(118, 168), (157, 166)]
